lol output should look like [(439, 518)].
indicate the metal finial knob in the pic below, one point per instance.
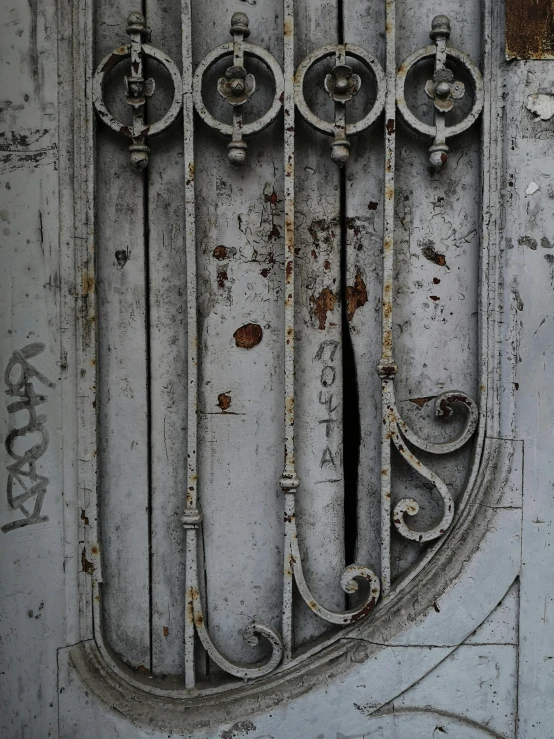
[(440, 27), (239, 24), (136, 22)]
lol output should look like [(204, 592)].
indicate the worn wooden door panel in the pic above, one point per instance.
[(167, 375), (457, 645), (239, 247), (124, 452)]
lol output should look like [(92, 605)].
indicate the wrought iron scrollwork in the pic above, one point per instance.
[(341, 84), (237, 87), (443, 89), (137, 89)]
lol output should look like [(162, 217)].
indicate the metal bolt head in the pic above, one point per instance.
[(440, 27), (443, 89), (237, 86)]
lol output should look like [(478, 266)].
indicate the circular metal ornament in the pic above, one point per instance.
[(356, 52), (219, 53), (111, 61), (426, 129)]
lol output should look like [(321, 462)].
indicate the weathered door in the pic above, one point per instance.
[(275, 338)]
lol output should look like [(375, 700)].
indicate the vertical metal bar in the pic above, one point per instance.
[(289, 480), (387, 367), (191, 506)]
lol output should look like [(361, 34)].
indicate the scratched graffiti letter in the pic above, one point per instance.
[(25, 488)]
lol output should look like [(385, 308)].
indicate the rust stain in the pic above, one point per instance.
[(390, 126), (372, 206), (94, 549), (86, 566), (222, 278), (248, 336), (271, 198), (87, 284), (434, 297), (166, 631), (429, 252), (224, 401), (324, 303), (356, 296), (220, 252), (264, 272), (529, 29), (420, 402), (84, 517)]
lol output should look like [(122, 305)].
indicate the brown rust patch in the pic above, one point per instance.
[(87, 284), (372, 205), (220, 252), (429, 252), (222, 277), (529, 29), (86, 566), (420, 402), (166, 631), (224, 401), (324, 303), (248, 336), (356, 296), (390, 126)]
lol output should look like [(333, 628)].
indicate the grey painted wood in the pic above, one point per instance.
[(240, 257), (167, 364), (319, 377), (31, 583), (364, 234), (123, 452), (527, 235), (469, 693)]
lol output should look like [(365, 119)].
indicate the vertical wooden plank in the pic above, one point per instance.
[(168, 337), (123, 383), (318, 363), (437, 249), (240, 282), (364, 202)]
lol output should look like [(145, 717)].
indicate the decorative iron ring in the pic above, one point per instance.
[(253, 127), (328, 127), (111, 61), (477, 82)]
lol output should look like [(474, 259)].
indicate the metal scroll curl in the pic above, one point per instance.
[(400, 433)]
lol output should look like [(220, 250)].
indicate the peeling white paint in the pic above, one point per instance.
[(542, 105), (532, 188)]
